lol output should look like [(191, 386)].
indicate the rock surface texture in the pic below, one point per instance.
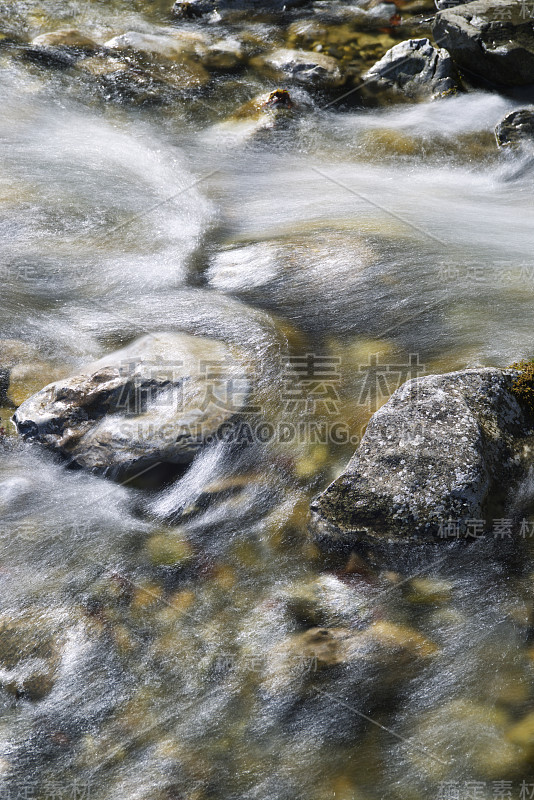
[(442, 452), (493, 39), (158, 400), (414, 68), (516, 128)]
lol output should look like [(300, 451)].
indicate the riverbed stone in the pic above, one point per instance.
[(516, 129), (68, 37), (172, 46), (394, 650), (29, 654), (139, 78), (158, 400), (445, 450), (414, 69), (301, 66), (489, 39)]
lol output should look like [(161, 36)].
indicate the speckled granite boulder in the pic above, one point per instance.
[(444, 447)]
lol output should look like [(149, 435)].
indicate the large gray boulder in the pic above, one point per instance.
[(414, 69), (493, 39), (443, 452), (158, 400)]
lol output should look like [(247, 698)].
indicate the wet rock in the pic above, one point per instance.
[(301, 66), (300, 657), (429, 591), (444, 450), (143, 79), (194, 9), (413, 69), (158, 400), (23, 372), (442, 5), (170, 46), (522, 733), (277, 272), (69, 37), (59, 49), (224, 54), (491, 39), (265, 114), (29, 655), (516, 128)]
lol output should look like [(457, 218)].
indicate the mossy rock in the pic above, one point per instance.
[(523, 386)]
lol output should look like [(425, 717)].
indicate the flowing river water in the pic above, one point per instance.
[(390, 242)]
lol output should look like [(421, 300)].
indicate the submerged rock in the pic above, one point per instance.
[(29, 654), (492, 39), (440, 455), (59, 49), (158, 400), (301, 66), (414, 69), (516, 128), (172, 46), (125, 75), (69, 37), (378, 660), (265, 114)]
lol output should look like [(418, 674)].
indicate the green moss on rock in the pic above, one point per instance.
[(523, 386)]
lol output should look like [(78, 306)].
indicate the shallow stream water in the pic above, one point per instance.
[(393, 242)]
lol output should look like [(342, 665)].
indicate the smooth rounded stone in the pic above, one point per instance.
[(429, 591), (516, 128), (69, 37), (158, 400), (413, 69), (301, 66), (277, 273), (443, 451), (491, 39), (59, 49), (171, 46), (224, 54)]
